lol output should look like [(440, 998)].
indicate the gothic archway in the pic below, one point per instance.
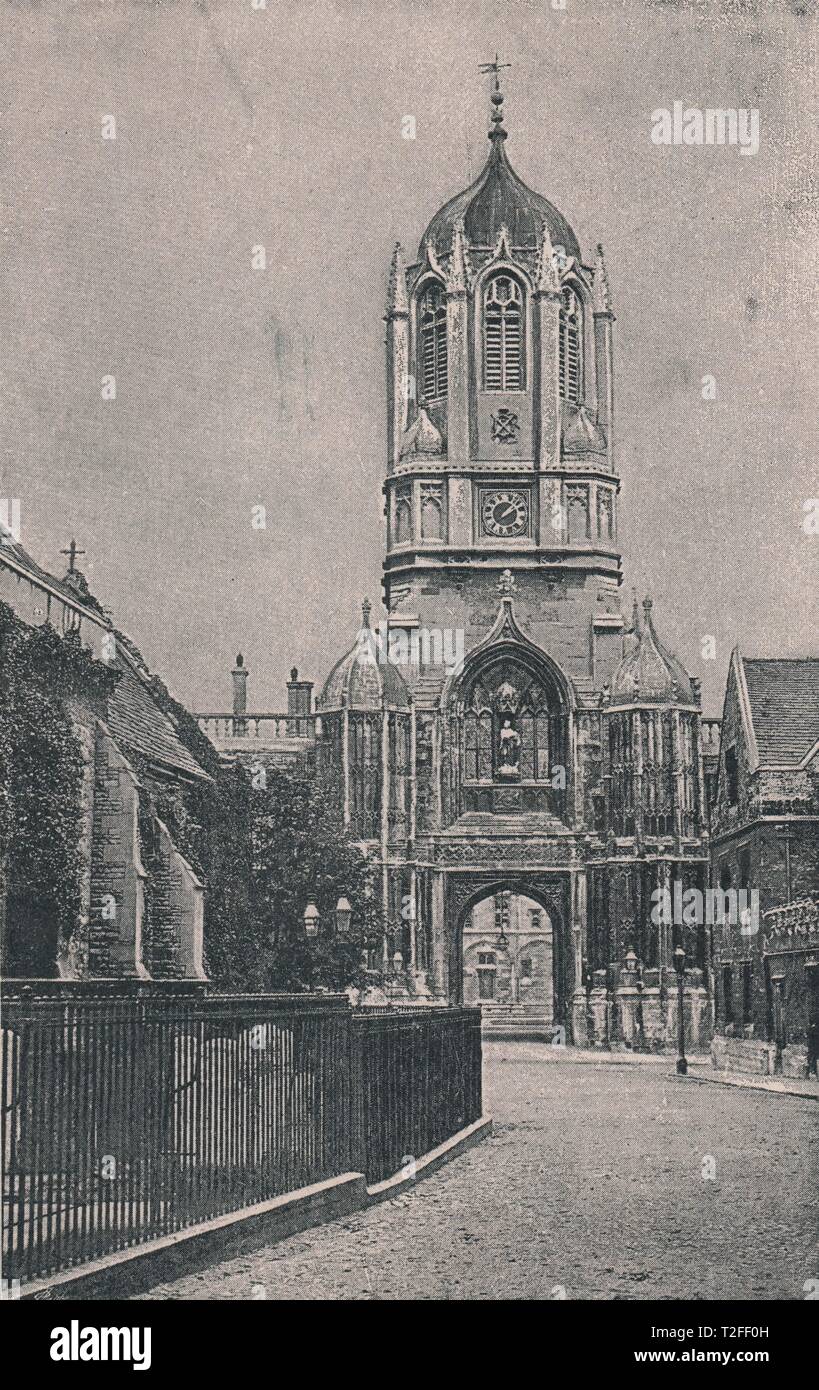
[(549, 890)]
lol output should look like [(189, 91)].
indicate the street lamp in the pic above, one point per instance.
[(344, 914), (311, 919), (679, 966)]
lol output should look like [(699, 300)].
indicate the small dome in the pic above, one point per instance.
[(499, 198), (364, 678), (648, 670)]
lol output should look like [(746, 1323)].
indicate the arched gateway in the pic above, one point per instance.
[(531, 959)]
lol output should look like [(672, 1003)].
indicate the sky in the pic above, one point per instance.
[(281, 127)]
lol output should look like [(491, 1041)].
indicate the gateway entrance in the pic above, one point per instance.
[(508, 955)]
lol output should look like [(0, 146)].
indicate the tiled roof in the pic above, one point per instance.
[(20, 557), (784, 699), (137, 722), (134, 717)]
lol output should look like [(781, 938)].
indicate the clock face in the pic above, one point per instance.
[(505, 514)]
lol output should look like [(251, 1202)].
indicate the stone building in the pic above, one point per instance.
[(765, 841), (504, 731), (141, 903)]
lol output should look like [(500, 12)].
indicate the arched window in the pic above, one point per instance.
[(503, 366), (571, 343), (432, 326)]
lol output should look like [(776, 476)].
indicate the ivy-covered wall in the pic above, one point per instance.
[(91, 834), (43, 860)]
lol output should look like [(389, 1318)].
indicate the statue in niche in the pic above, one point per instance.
[(508, 750)]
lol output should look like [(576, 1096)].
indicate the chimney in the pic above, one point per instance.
[(299, 697), (239, 674)]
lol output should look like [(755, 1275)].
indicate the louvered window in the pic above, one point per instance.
[(503, 335), (432, 319), (571, 362)]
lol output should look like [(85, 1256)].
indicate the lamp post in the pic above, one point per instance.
[(312, 919), (344, 914), (679, 966)]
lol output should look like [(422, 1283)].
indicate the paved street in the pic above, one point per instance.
[(592, 1183)]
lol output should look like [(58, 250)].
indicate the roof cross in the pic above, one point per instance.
[(72, 552)]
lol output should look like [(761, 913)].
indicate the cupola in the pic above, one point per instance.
[(365, 678), (499, 199), (649, 672)]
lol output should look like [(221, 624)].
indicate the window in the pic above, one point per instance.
[(535, 919), (503, 335), (526, 968), (432, 323), (486, 958), (731, 776), (571, 360)]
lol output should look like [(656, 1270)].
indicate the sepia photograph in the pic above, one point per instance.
[(409, 667)]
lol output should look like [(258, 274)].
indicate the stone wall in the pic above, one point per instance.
[(117, 871)]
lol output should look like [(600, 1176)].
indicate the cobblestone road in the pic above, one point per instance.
[(593, 1183)]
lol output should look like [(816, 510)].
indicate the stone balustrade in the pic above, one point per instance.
[(266, 728)]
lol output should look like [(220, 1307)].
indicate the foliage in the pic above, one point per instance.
[(301, 856), (41, 772), (262, 853)]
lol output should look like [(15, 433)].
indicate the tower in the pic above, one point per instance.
[(500, 425), (503, 734)]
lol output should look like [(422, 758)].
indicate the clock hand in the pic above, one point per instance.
[(509, 514)]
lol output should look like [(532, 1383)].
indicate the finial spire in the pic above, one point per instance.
[(458, 276), (366, 609), (546, 273), (600, 284), (496, 97), (397, 302)]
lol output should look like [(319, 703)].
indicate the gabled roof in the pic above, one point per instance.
[(137, 722), (783, 698), (19, 560), (134, 717)]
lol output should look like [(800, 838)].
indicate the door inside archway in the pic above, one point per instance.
[(508, 956)]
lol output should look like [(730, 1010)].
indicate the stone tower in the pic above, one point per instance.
[(503, 733), (500, 426)]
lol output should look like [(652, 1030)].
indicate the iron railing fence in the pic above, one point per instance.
[(419, 1082), (129, 1118)]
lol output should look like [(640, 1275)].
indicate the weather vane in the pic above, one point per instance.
[(495, 68)]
